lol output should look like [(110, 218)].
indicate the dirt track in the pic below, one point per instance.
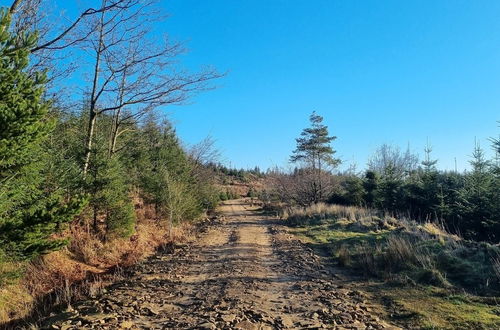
[(244, 272)]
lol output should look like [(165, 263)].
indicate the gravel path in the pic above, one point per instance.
[(243, 272)]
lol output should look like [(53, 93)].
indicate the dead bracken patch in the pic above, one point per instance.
[(84, 268)]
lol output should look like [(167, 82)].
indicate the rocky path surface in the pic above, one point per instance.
[(244, 272)]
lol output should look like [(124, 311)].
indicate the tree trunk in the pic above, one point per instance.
[(170, 225), (14, 6), (93, 98), (89, 139), (171, 208), (116, 119), (320, 184)]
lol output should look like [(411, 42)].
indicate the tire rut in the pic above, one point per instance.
[(242, 273)]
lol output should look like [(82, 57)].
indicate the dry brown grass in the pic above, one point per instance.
[(400, 251), (77, 270), (366, 218), (367, 259), (326, 211), (15, 300), (344, 255)]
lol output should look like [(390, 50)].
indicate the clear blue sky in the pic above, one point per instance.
[(394, 72), (378, 71)]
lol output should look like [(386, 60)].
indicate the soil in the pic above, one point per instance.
[(245, 271)]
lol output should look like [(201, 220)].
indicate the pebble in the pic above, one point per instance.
[(216, 283)]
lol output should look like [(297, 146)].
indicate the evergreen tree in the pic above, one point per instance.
[(371, 185), (428, 163), (109, 187), (351, 192), (251, 193), (167, 181), (223, 196), (450, 184), (475, 206), (390, 189), (422, 189), (313, 148), (494, 194), (29, 215), (429, 197)]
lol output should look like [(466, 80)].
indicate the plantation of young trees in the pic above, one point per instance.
[(85, 159), (398, 183), (465, 203)]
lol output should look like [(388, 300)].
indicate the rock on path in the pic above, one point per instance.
[(242, 273)]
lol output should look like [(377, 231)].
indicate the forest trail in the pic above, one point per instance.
[(243, 272)]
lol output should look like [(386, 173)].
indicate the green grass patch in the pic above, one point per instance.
[(436, 308), (337, 232), (423, 270)]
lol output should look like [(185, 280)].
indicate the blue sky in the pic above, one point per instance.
[(379, 72), (397, 72)]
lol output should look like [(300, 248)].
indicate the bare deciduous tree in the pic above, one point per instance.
[(58, 35), (300, 186), (133, 73), (391, 160), (31, 14), (204, 152), (202, 155), (14, 6)]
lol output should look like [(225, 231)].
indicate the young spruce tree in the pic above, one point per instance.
[(475, 206), (167, 182), (29, 216)]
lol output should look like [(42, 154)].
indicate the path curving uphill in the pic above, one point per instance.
[(244, 272)]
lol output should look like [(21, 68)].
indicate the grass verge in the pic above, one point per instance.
[(424, 277)]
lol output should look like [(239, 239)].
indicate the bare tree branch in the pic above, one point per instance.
[(14, 6), (119, 4)]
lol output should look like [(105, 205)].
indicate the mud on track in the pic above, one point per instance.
[(245, 272)]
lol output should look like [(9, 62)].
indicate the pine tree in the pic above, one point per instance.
[(389, 191), (353, 190), (251, 193), (428, 163), (109, 189), (494, 193), (313, 148), (29, 215)]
